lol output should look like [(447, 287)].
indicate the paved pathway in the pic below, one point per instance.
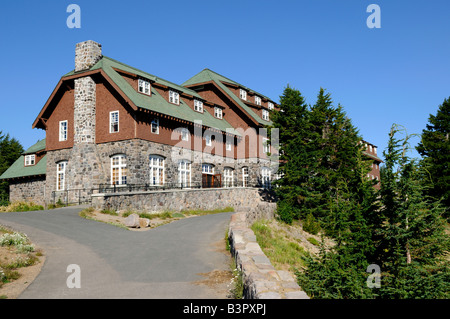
[(163, 262)]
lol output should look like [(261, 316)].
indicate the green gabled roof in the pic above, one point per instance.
[(156, 102), (18, 168), (39, 146), (208, 75)]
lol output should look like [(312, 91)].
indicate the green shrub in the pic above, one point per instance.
[(313, 241), (311, 225)]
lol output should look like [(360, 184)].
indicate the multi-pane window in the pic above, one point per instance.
[(156, 170), (198, 106), (61, 176), (207, 169), (228, 177), (228, 145), (243, 94), (208, 140), (114, 122), (184, 132), (184, 173), (266, 145), (265, 176), (270, 105), (144, 87), (265, 115), (218, 112), (30, 160), (174, 97), (63, 131), (245, 177), (155, 126), (257, 100), (119, 169)]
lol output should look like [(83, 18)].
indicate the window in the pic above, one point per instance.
[(114, 122), (156, 170), (198, 106), (270, 106), (228, 173), (144, 87), (243, 94), (184, 132), (265, 115), (155, 126), (228, 145), (184, 173), (370, 148), (61, 175), (257, 100), (266, 145), (207, 169), (265, 177), (63, 131), (245, 177), (208, 140), (30, 160), (119, 170), (375, 150), (218, 112), (174, 97)]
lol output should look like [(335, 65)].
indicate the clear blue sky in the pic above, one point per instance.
[(398, 73)]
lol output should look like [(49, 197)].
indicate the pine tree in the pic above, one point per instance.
[(10, 151), (435, 150), (413, 246)]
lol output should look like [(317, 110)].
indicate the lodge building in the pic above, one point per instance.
[(109, 125)]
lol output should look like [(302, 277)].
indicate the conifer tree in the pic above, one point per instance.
[(10, 150)]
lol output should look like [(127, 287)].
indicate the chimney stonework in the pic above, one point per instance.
[(87, 54)]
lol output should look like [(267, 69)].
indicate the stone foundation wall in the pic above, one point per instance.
[(31, 190), (178, 200), (261, 280)]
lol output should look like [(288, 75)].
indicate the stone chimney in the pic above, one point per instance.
[(87, 54)]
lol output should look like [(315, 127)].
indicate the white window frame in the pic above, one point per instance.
[(265, 177), (266, 145), (270, 105), (184, 173), (208, 140), (243, 94), (61, 175), (63, 127), (154, 126), (245, 176), (265, 115), (30, 160), (208, 169), (174, 97), (218, 113), (157, 173), (228, 145), (257, 100), (113, 122), (184, 134), (228, 177), (121, 167), (144, 87), (198, 105)]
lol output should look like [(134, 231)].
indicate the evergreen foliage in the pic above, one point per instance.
[(10, 151)]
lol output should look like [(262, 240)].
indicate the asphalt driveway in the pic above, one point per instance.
[(164, 262)]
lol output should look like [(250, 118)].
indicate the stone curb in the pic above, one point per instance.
[(261, 280)]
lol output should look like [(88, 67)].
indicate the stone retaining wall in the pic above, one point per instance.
[(261, 280)]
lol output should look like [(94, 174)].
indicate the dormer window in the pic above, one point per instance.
[(270, 106), (257, 100), (265, 115), (144, 87), (30, 160), (243, 94), (198, 106), (217, 112), (174, 97)]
